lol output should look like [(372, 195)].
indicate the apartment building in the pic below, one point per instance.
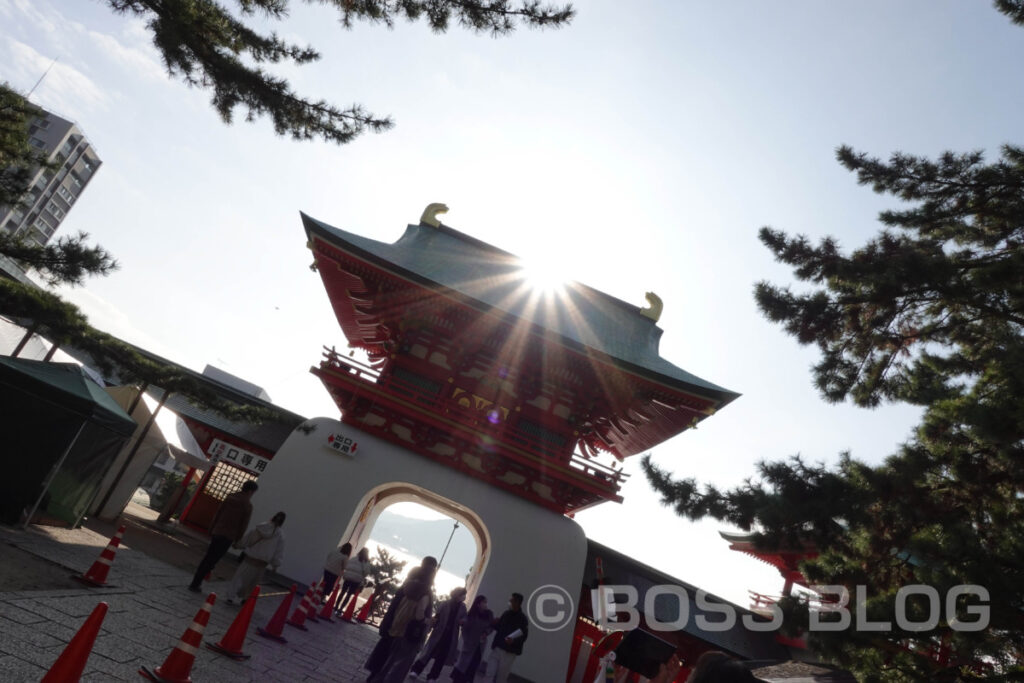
[(53, 191)]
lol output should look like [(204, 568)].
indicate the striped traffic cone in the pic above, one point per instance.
[(231, 644), (97, 574), (275, 627), (178, 665), (298, 618), (364, 613), (311, 608), (71, 663), (350, 609), (328, 608)]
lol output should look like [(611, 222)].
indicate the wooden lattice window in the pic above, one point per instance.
[(225, 480)]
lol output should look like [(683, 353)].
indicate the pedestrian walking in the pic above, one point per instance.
[(353, 579), (404, 627), (334, 567), (441, 645), (230, 522), (263, 546), (475, 628)]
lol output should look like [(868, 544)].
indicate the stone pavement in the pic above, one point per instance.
[(150, 609)]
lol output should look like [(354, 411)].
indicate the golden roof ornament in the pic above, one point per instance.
[(429, 216), (654, 308)]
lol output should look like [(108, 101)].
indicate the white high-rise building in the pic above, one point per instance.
[(53, 191)]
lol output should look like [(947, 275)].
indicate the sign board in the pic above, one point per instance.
[(226, 452), (341, 444)]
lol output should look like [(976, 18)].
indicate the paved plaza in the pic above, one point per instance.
[(149, 610)]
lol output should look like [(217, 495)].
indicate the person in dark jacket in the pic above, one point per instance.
[(475, 628), (510, 632), (229, 524)]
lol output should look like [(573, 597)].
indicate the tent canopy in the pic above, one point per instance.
[(68, 385), (60, 433)]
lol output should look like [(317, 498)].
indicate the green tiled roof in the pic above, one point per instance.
[(580, 315)]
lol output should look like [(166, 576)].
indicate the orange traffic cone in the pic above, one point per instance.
[(97, 574), (71, 663), (275, 627), (350, 609), (298, 618), (364, 613), (231, 644), (178, 665), (314, 602), (328, 608)]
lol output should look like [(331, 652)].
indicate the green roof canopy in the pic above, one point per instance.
[(68, 385)]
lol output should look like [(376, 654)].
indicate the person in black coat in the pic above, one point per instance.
[(510, 632), (475, 628)]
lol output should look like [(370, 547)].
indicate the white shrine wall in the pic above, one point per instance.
[(324, 494)]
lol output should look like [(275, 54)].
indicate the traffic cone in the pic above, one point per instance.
[(298, 618), (364, 613), (328, 608), (275, 627), (97, 574), (314, 602), (350, 609), (231, 644), (71, 663), (178, 665)]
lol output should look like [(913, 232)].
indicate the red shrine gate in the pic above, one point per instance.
[(482, 397)]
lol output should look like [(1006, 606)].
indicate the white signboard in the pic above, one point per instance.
[(226, 452), (341, 444)]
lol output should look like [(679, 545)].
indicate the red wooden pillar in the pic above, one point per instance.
[(585, 634)]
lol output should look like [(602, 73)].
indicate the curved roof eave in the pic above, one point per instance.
[(444, 258)]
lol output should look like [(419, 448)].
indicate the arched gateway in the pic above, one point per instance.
[(501, 405)]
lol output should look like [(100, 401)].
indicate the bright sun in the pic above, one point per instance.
[(544, 275)]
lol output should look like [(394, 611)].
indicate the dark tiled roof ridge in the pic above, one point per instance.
[(631, 341), (484, 246), (480, 244)]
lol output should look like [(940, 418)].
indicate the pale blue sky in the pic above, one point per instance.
[(642, 152)]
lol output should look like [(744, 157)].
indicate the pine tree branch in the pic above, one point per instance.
[(63, 324), (68, 260), (207, 47)]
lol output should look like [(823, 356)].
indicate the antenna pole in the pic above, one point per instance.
[(42, 77)]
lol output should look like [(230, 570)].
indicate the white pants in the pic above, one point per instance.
[(500, 665)]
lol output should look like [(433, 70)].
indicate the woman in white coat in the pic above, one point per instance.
[(263, 546)]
